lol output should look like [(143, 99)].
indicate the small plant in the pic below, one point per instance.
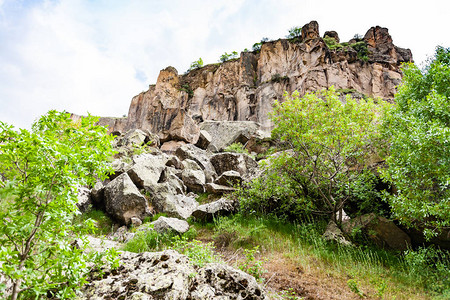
[(358, 37), (251, 265), (354, 287), (331, 43), (278, 78), (295, 34), (196, 64), (361, 48), (256, 47), (187, 88), (226, 57), (290, 294), (199, 253)]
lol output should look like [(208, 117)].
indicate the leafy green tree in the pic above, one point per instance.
[(418, 128), (196, 64), (330, 142), (295, 34), (41, 171), (225, 57)]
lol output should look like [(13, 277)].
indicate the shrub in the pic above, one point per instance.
[(295, 34), (225, 57), (196, 64)]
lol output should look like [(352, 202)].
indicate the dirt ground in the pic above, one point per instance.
[(286, 276)]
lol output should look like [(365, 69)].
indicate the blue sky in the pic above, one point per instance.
[(80, 55)]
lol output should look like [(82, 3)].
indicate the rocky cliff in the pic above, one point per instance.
[(244, 89)]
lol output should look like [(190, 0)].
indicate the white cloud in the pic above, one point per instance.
[(94, 56)]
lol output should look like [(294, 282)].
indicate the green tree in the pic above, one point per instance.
[(196, 64), (40, 172), (418, 128), (295, 34), (225, 57), (330, 140)]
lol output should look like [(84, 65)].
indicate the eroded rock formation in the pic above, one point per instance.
[(245, 89)]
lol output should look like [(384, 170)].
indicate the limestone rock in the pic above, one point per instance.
[(380, 230), (220, 207), (98, 194), (121, 235), (124, 201), (169, 275), (164, 225)]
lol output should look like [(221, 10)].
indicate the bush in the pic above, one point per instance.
[(225, 57), (295, 34), (40, 172), (196, 64)]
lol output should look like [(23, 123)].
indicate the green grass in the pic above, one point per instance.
[(368, 270), (199, 253), (102, 223)]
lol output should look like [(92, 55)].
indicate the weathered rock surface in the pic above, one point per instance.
[(229, 178), (168, 275), (380, 230), (84, 199), (244, 90), (208, 211), (178, 206), (164, 225), (239, 162), (225, 133), (333, 233), (214, 188), (193, 176), (200, 156), (124, 201)]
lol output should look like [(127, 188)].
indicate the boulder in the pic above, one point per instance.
[(310, 30), (204, 140), (133, 137), (225, 133), (380, 230), (239, 162), (169, 275), (178, 206), (229, 178), (119, 167), (84, 199), (200, 156), (175, 162), (123, 200), (214, 188), (208, 211), (171, 147), (193, 176), (147, 169), (98, 194), (332, 34), (164, 225), (333, 233)]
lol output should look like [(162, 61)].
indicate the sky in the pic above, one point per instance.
[(94, 55)]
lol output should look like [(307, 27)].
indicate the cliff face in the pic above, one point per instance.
[(245, 89)]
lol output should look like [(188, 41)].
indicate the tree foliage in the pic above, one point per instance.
[(418, 128), (295, 34), (196, 64), (40, 172), (330, 140), (227, 56)]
